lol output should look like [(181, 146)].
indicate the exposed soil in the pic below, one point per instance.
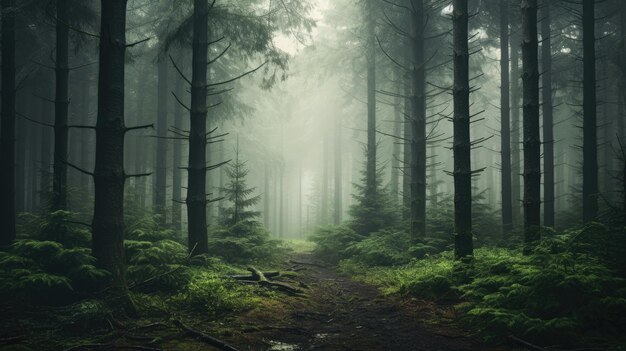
[(338, 313)]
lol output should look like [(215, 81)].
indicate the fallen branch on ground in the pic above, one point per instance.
[(259, 277), (251, 277), (204, 337)]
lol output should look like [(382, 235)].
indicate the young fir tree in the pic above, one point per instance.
[(239, 194)]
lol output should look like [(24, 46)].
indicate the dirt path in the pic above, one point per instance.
[(341, 314)]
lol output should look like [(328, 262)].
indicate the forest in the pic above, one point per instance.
[(312, 175)]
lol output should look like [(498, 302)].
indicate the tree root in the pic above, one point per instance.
[(204, 337)]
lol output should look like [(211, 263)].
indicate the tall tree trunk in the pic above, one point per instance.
[(418, 123), (516, 162), (590, 142), (548, 123), (109, 176), (397, 129), (196, 191), (325, 183), (61, 106), (160, 189), (463, 245), (266, 197), (434, 193), (406, 159), (532, 143), (370, 175), (177, 154), (505, 123), (141, 143), (7, 133), (338, 172)]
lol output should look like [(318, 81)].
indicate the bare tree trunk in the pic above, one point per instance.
[(418, 123), (505, 123), (532, 143), (548, 123), (266, 197), (196, 191), (325, 183), (109, 176), (590, 142), (7, 133), (395, 153), (516, 162), (370, 175), (338, 172), (177, 154), (434, 193), (463, 245), (406, 159), (61, 106), (160, 188)]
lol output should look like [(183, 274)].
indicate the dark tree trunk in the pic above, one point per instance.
[(325, 183), (141, 143), (505, 123), (177, 154), (516, 162), (418, 124), (532, 143), (338, 173), (7, 133), (109, 176), (196, 191), (61, 107), (370, 175), (406, 159), (266, 198), (463, 245), (548, 123), (434, 193), (395, 153), (160, 189), (590, 142)]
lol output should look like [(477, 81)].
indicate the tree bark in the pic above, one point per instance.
[(61, 107), (590, 142), (516, 162), (463, 245), (109, 176), (406, 159), (338, 172), (7, 133), (418, 123), (177, 153), (160, 189), (505, 122), (548, 123), (397, 129), (532, 143), (196, 192), (370, 175)]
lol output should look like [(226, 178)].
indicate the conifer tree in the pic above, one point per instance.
[(239, 194)]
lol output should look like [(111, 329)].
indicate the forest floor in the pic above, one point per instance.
[(338, 313)]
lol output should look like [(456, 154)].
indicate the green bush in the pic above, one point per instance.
[(333, 242), (47, 272), (243, 242), (159, 266)]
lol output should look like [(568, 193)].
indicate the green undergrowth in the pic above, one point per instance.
[(569, 291), (52, 290)]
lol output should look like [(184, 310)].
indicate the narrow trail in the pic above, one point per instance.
[(341, 314)]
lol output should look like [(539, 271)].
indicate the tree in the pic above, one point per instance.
[(463, 245), (418, 122), (548, 123), (532, 143), (337, 210), (196, 192), (505, 123), (160, 183), (109, 176), (239, 194), (370, 40), (177, 154), (590, 142), (61, 107), (515, 118), (7, 136)]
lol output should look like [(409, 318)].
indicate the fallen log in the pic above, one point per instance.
[(204, 337), (262, 280), (251, 277)]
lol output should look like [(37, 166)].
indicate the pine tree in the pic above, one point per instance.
[(239, 194)]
